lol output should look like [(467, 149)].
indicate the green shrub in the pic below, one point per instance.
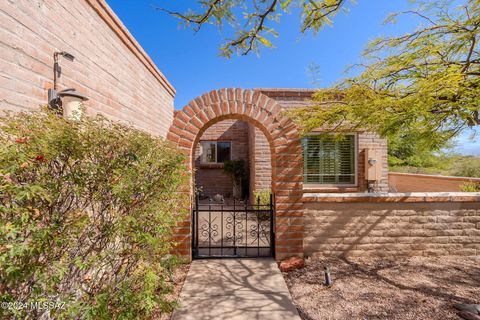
[(445, 164), (262, 196), (466, 166), (237, 171), (470, 187), (87, 209)]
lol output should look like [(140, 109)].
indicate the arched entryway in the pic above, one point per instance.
[(287, 167)]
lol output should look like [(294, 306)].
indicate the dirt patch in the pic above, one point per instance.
[(178, 279), (404, 288)]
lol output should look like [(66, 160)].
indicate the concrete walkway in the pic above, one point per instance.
[(235, 289)]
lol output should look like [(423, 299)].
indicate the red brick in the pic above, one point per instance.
[(214, 96), (291, 264)]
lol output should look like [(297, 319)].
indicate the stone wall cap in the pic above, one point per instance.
[(393, 197), (438, 176)]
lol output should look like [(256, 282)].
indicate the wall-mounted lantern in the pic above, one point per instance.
[(67, 101), (71, 103)]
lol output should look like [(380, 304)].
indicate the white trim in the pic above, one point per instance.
[(438, 176)]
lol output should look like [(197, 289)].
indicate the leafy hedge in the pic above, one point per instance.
[(470, 187), (262, 196), (87, 210)]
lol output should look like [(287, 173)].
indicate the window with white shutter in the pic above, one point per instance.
[(329, 159)]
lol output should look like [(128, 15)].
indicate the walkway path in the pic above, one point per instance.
[(235, 289)]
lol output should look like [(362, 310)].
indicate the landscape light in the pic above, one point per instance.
[(328, 278)]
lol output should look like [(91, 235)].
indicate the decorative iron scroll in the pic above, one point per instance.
[(226, 230), (209, 229), (260, 232)]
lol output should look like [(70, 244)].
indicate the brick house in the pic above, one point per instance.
[(341, 168), (321, 205), (320, 184)]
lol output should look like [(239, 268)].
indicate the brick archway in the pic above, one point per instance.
[(287, 165)]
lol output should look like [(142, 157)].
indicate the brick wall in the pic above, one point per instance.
[(289, 98), (407, 182), (368, 140), (110, 67), (393, 226), (211, 178), (260, 160)]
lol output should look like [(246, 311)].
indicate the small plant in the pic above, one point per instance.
[(262, 196), (87, 211), (470, 187), (238, 173)]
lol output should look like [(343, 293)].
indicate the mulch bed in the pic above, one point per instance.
[(401, 288)]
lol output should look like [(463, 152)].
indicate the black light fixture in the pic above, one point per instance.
[(73, 98), (67, 55), (53, 98), (56, 66)]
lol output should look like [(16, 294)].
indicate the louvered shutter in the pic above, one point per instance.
[(329, 160), (311, 158), (346, 160)]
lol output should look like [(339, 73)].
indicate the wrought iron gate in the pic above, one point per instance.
[(232, 229)]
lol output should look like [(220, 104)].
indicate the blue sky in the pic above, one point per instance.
[(192, 64)]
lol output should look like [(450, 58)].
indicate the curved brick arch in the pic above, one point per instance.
[(287, 166)]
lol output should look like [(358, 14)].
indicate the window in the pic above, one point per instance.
[(329, 160), (215, 151)]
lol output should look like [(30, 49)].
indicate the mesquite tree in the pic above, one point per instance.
[(252, 19), (419, 89)]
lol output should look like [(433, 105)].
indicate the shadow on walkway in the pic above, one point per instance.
[(235, 289)]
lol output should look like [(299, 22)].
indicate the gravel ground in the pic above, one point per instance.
[(404, 288), (178, 279)]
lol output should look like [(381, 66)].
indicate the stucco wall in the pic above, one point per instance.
[(394, 225), (407, 182), (110, 67)]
